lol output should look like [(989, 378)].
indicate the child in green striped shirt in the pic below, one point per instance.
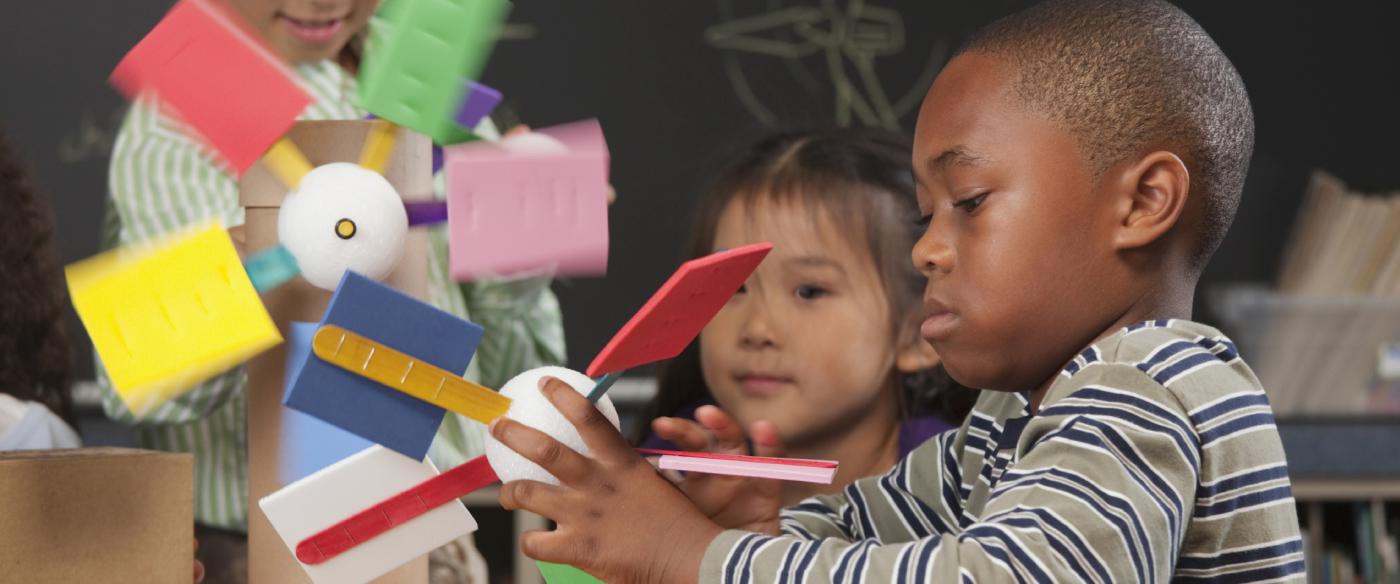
[(162, 179)]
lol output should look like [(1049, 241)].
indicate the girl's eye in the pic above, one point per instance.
[(742, 289), (971, 204), (809, 292), (924, 220)]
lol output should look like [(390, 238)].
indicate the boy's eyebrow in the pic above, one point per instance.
[(958, 155)]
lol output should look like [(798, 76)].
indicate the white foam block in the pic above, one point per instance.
[(345, 488)]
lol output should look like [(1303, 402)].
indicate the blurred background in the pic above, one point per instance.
[(1308, 281)]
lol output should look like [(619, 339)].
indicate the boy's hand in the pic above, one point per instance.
[(617, 518), (746, 503)]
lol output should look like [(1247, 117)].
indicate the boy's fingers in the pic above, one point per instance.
[(686, 434), (728, 436), (547, 546), (561, 461), (541, 498), (560, 546), (595, 428)]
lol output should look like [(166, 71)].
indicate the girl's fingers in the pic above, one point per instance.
[(766, 441), (597, 431), (729, 437), (686, 434), (563, 462), (541, 498)]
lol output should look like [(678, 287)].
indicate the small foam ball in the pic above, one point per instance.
[(343, 217), (528, 406), (533, 143)]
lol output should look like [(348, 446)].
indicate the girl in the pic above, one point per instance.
[(36, 411), (820, 350), (162, 179)]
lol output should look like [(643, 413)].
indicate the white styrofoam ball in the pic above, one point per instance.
[(528, 406), (533, 143), (343, 216)]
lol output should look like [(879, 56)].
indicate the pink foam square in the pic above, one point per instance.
[(217, 78), (511, 211)]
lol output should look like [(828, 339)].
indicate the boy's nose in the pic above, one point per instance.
[(933, 253)]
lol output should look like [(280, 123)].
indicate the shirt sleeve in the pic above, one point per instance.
[(1101, 493), (524, 326), (161, 181)]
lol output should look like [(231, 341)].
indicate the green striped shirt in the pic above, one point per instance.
[(161, 179)]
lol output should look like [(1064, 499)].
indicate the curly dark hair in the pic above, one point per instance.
[(862, 178), (35, 357)]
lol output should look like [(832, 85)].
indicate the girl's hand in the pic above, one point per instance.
[(617, 518), (746, 503)]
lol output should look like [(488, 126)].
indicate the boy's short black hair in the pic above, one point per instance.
[(1123, 76)]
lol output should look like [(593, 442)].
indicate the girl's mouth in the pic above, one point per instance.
[(313, 31)]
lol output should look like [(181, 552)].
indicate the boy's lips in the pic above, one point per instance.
[(760, 384), (938, 320), (313, 31)]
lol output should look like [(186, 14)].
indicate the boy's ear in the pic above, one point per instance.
[(1154, 191), (916, 355)]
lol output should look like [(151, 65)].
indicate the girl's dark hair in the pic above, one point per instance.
[(861, 179), (35, 358)]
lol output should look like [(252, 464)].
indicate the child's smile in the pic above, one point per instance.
[(304, 31)]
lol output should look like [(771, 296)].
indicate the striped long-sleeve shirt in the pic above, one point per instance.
[(1153, 457), (162, 179)]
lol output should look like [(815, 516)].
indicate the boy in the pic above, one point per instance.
[(1078, 163)]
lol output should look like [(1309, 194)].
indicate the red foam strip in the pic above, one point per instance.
[(395, 511), (218, 78), (740, 458), (679, 309)]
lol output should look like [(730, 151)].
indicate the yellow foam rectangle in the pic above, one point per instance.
[(286, 161), (424, 381), (169, 314), (379, 146)]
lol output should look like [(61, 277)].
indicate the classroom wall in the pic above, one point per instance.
[(675, 83)]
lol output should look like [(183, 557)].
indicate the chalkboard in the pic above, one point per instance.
[(677, 83)]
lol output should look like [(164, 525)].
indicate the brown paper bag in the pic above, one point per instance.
[(96, 515)]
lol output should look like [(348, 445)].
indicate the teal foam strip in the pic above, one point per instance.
[(271, 268)]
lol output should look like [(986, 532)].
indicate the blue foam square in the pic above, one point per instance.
[(368, 409), (308, 444)]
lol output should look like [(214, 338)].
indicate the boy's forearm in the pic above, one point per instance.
[(683, 563)]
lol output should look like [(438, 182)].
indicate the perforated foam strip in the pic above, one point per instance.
[(395, 511), (786, 469), (422, 380)]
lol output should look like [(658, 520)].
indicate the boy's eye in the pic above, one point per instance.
[(742, 289), (809, 292), (924, 220), (971, 204)]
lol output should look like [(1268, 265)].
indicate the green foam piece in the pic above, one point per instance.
[(419, 57), (565, 574)]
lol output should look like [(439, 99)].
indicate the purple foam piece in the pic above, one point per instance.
[(479, 102), (425, 212), (437, 159)]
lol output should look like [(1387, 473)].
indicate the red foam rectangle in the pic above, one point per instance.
[(679, 309), (395, 511), (217, 78)]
